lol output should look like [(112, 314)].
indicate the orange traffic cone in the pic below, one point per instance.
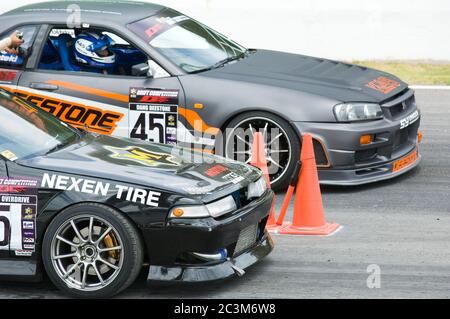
[(309, 216), (259, 160)]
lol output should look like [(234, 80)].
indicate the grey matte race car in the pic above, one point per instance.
[(177, 81)]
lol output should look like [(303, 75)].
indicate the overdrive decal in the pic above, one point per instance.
[(18, 206), (153, 115)]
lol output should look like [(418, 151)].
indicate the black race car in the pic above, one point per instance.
[(92, 210)]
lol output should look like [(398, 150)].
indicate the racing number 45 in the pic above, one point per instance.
[(155, 131)]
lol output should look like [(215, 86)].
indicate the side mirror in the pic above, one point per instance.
[(24, 53), (141, 69)]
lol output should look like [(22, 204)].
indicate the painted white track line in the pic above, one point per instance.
[(430, 87)]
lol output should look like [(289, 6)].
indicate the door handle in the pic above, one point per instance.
[(43, 86)]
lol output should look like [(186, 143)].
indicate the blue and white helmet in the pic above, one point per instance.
[(89, 47)]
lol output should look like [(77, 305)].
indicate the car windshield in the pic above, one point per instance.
[(27, 131), (187, 43)]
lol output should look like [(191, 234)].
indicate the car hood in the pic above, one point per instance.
[(163, 167), (336, 80)]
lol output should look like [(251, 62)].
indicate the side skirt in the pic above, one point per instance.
[(19, 270)]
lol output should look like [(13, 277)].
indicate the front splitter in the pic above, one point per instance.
[(219, 271)]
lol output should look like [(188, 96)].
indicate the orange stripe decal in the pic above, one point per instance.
[(191, 116), (203, 150), (89, 90), (197, 122)]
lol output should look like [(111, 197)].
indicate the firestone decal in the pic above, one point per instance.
[(81, 116)]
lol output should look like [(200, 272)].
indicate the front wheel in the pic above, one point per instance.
[(281, 142), (92, 251)]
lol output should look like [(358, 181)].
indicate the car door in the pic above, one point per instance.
[(143, 107)]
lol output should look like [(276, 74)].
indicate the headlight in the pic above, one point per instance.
[(214, 209), (257, 188), (222, 206), (350, 112)]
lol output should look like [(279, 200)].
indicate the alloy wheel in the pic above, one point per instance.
[(278, 147), (87, 253)]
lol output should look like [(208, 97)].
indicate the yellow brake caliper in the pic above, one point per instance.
[(110, 241)]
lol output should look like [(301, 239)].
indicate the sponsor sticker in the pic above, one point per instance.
[(10, 58), (233, 178), (410, 119), (143, 156), (153, 115), (9, 155), (24, 253), (216, 170), (156, 25), (28, 213), (405, 161), (27, 225), (383, 84), (28, 233)]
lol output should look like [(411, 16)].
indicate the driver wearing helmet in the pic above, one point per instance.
[(92, 52)]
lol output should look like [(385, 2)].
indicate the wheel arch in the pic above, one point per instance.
[(272, 111)]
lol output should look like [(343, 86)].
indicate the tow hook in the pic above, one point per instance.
[(238, 271)]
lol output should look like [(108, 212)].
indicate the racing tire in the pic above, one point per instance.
[(280, 140), (92, 251)]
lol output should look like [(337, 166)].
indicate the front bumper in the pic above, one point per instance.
[(218, 271), (349, 162), (170, 247)]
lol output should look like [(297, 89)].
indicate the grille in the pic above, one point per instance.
[(402, 107), (401, 138), (365, 155), (247, 238)]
